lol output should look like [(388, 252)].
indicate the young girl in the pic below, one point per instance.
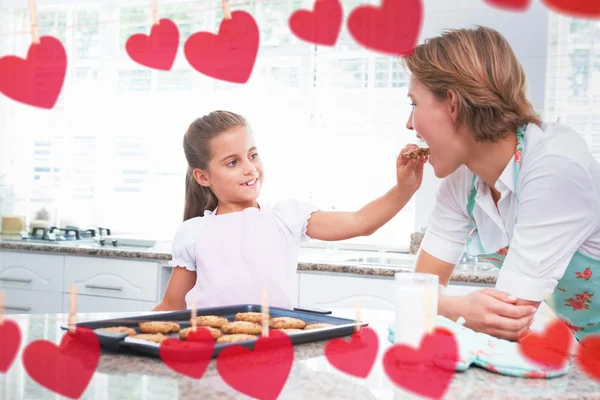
[(229, 247)]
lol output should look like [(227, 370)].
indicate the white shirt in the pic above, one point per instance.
[(239, 254), (557, 212)]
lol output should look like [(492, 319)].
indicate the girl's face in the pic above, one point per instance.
[(434, 121), (235, 172)]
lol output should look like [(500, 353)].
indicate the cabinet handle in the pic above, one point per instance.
[(115, 288), (16, 280), (26, 309)]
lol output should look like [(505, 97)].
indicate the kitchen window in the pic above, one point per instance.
[(329, 121)]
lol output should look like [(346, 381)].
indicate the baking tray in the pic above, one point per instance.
[(121, 342)]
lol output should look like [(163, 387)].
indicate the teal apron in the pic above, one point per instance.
[(573, 299)]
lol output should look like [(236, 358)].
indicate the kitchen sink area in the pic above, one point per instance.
[(384, 259)]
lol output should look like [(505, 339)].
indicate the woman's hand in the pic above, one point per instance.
[(409, 171), (493, 312)]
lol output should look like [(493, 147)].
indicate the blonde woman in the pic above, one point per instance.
[(516, 192)]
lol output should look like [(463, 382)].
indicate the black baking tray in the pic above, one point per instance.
[(121, 342)]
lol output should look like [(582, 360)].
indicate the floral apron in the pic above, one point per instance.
[(573, 299)]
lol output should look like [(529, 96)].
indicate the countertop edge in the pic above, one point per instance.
[(486, 278)]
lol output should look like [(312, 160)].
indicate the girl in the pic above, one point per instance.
[(230, 246), (518, 193)]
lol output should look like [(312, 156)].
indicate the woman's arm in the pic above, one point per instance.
[(330, 226), (181, 282), (489, 310)]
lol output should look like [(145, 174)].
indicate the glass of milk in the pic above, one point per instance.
[(416, 307)]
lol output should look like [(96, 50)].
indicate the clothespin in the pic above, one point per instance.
[(33, 18), (265, 313), (155, 19), (2, 301), (72, 308), (357, 314), (226, 9), (193, 321)]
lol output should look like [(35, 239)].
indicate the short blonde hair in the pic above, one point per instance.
[(481, 67)]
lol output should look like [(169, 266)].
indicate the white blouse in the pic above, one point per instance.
[(237, 255), (557, 212)]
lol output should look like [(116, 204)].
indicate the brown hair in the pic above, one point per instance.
[(197, 148), (482, 69)]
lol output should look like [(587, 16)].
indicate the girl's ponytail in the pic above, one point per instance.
[(197, 198)]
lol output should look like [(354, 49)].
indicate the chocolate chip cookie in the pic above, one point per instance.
[(287, 323), (248, 328), (159, 327), (255, 317), (151, 337), (238, 337), (119, 329), (213, 321), (183, 334)]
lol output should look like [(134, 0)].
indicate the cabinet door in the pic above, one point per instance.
[(31, 271), (123, 279), (31, 302), (97, 304), (326, 291)]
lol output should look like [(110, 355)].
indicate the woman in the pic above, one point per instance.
[(518, 193)]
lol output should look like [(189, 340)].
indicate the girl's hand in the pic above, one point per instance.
[(409, 171)]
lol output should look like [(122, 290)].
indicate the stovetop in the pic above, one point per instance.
[(66, 234)]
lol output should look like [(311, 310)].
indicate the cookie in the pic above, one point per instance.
[(288, 331), (317, 326), (249, 328), (159, 327), (255, 317), (151, 337), (119, 329), (287, 323), (213, 321), (416, 152), (238, 337), (183, 334)]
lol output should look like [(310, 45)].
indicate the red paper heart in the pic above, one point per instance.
[(575, 8), (260, 373), (157, 50), (588, 356), (66, 369), (511, 5), (355, 357), (38, 79), (10, 339), (231, 54), (550, 348), (190, 358), (426, 371), (392, 28), (320, 26)]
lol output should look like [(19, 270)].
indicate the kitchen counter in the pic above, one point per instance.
[(133, 377), (310, 259)]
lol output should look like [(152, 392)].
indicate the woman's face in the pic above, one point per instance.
[(434, 121)]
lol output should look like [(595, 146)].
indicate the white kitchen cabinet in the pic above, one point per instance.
[(333, 290), (324, 291), (19, 301), (94, 304), (31, 271), (111, 278)]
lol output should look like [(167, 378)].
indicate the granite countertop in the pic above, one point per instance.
[(132, 377), (310, 260)]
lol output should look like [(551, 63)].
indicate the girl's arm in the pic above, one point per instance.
[(332, 225), (181, 282)]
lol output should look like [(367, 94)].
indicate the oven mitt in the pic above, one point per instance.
[(493, 354)]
